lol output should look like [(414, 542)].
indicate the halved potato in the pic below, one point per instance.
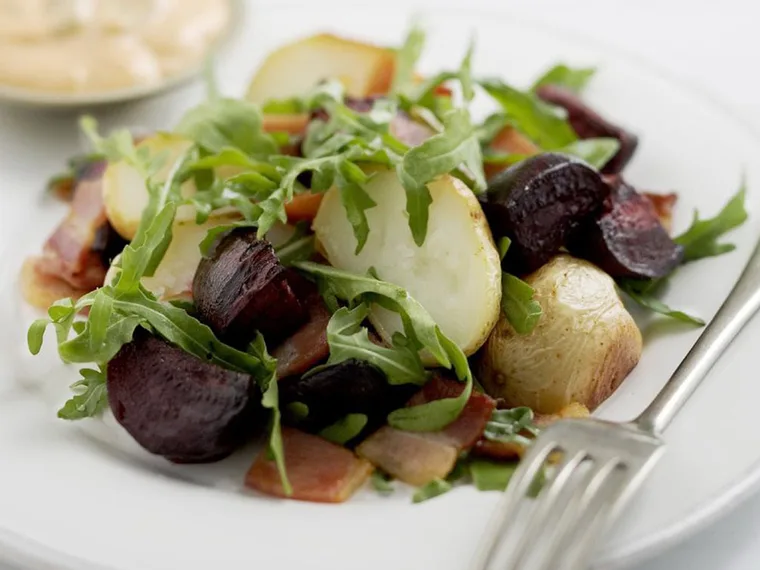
[(295, 68), (173, 278), (455, 275), (582, 348), (125, 194)]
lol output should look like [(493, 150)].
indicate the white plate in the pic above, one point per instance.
[(69, 500)]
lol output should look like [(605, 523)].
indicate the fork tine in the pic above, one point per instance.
[(546, 501), (518, 486), (567, 527)]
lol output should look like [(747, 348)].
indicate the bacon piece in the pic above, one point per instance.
[(509, 141), (69, 254), (587, 124), (510, 450), (41, 290), (410, 457), (663, 206), (419, 457), (318, 470), (463, 432), (307, 347)]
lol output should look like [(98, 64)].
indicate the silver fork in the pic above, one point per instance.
[(602, 464)]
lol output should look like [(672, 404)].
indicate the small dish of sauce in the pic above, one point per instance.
[(89, 51)]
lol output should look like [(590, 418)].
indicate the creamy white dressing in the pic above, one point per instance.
[(102, 45)]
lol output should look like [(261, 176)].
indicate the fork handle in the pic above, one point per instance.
[(740, 305)]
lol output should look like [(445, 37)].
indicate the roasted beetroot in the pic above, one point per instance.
[(587, 124), (627, 240), (242, 288), (538, 202), (174, 404), (350, 387)]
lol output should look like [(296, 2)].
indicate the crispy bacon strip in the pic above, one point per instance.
[(419, 457), (509, 141), (307, 347), (71, 254), (318, 470)]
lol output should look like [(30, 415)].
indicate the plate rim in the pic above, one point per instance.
[(21, 550)]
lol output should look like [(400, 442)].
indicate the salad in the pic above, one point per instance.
[(351, 264)]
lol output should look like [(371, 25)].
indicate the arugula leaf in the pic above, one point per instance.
[(406, 60), (701, 239), (90, 397), (300, 246), (345, 429), (490, 475), (63, 182), (435, 488), (355, 201), (216, 125), (420, 331), (457, 145), (597, 152), (643, 293), (348, 339), (381, 482), (507, 426), (270, 400), (119, 145), (543, 123), (290, 106), (465, 73), (520, 308), (573, 79)]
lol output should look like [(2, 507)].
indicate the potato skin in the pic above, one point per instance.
[(583, 347)]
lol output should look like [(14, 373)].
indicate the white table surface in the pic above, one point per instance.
[(715, 46)]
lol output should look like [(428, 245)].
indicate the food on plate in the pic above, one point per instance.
[(241, 288), (351, 264), (332, 392), (628, 239), (294, 69), (583, 346), (318, 470), (457, 261), (587, 124), (124, 190), (538, 203), (63, 48), (177, 405)]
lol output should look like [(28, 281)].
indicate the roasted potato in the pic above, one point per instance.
[(295, 68), (455, 274), (584, 345)]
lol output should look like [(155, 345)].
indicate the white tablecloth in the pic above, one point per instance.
[(716, 47)]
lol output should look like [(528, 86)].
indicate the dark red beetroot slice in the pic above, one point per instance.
[(242, 288), (538, 202), (628, 239), (174, 404), (318, 470), (588, 124), (350, 387), (419, 457)]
